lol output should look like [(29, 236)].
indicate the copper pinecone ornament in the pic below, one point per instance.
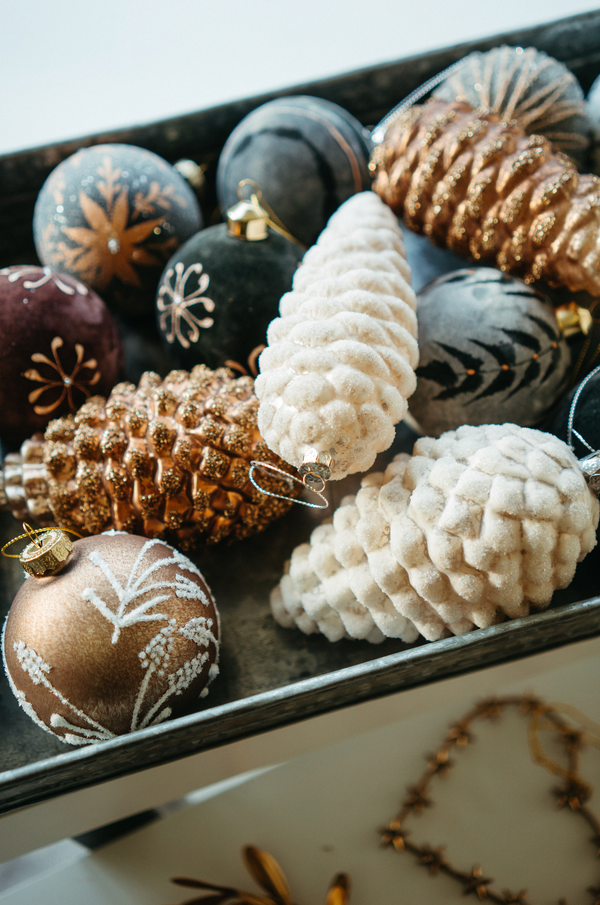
[(489, 191), (168, 459)]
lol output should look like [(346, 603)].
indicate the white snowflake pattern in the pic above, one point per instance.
[(37, 669), (130, 610), (173, 303)]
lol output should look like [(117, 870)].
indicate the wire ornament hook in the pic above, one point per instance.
[(590, 464), (266, 466), (379, 132), (570, 429)]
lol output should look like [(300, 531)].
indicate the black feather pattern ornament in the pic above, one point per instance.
[(491, 351)]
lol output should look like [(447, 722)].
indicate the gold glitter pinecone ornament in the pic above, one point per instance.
[(167, 459), (487, 190), (476, 526)]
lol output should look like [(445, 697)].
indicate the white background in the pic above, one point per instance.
[(70, 68)]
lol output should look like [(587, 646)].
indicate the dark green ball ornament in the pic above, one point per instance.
[(221, 290)]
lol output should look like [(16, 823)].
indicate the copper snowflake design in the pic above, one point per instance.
[(66, 382), (47, 275), (173, 303), (110, 244)]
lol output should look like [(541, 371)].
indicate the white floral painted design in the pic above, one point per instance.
[(138, 600), (13, 275), (172, 302)]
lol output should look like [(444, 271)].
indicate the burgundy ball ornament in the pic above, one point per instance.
[(60, 345), (119, 634), (307, 154), (112, 215), (221, 290)]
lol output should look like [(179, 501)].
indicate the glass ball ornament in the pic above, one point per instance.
[(112, 215), (307, 154), (221, 290), (92, 651)]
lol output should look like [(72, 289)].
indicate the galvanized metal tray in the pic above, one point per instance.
[(272, 676)]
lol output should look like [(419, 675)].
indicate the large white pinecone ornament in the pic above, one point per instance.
[(340, 360), (476, 526)]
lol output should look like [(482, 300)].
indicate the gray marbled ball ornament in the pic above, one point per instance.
[(490, 352), (308, 155)]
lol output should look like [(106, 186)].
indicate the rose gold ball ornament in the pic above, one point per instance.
[(60, 345), (111, 634), (112, 215)]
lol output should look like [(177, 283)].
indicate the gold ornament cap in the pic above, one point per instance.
[(573, 319), (248, 219), (315, 469), (47, 554)]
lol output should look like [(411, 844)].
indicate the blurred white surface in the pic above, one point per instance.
[(69, 69)]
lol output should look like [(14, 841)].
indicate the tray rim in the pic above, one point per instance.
[(479, 649), (299, 701)]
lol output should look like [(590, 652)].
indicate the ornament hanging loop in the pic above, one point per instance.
[(309, 485), (32, 535), (257, 194)]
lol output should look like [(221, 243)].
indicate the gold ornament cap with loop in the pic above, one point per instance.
[(248, 219), (45, 555), (251, 218)]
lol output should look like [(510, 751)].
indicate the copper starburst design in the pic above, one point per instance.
[(63, 382)]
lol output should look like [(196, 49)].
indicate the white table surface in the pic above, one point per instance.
[(320, 813), (79, 812), (70, 68)]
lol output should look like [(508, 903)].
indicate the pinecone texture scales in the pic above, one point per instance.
[(487, 190), (169, 459), (476, 526), (340, 362)]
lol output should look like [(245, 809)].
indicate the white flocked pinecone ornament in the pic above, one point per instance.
[(340, 360), (476, 526)]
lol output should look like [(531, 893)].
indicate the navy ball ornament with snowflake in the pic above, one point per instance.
[(491, 351), (221, 290), (112, 215), (307, 154), (123, 636)]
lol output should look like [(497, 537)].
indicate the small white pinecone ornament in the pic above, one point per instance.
[(340, 360), (476, 526)]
